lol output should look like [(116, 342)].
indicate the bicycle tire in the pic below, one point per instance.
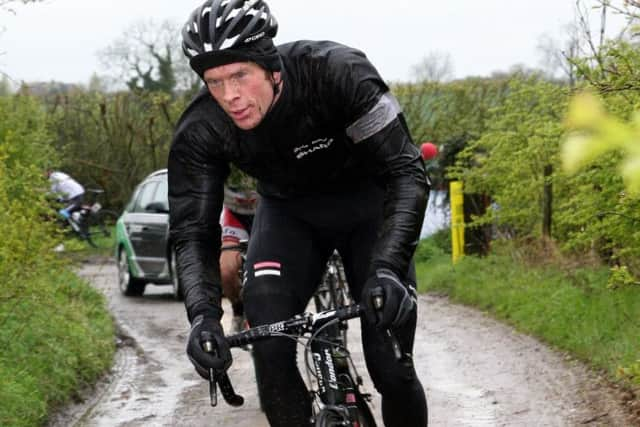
[(329, 417), (365, 416), (101, 229)]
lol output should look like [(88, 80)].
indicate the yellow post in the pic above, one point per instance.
[(457, 220)]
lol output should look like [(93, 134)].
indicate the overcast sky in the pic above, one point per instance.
[(59, 39)]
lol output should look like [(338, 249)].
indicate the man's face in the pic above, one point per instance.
[(243, 90)]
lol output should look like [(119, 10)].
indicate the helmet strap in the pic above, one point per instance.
[(275, 85), (276, 90)]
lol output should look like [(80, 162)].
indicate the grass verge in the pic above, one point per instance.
[(56, 336), (574, 310)]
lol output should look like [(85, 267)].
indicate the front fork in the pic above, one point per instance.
[(335, 384)]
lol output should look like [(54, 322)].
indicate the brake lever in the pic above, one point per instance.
[(377, 296), (222, 379), (207, 346)]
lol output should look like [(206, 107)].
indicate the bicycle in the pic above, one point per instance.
[(335, 387), (91, 223), (333, 291), (332, 294)]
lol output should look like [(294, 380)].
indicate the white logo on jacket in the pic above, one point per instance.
[(315, 145)]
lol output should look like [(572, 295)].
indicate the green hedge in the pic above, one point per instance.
[(55, 332)]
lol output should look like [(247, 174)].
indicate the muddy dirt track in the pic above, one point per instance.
[(476, 372)]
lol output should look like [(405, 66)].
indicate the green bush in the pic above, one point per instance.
[(426, 250), (442, 239), (55, 333), (24, 156), (434, 246)]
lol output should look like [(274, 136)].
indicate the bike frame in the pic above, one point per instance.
[(333, 291), (338, 387), (86, 210)]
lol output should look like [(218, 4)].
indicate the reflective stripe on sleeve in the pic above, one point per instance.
[(376, 119)]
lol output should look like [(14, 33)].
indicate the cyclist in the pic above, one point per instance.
[(68, 190), (336, 168), (237, 216)]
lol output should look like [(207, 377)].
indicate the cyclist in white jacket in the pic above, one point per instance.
[(68, 189)]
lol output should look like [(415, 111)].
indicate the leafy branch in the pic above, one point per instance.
[(595, 133)]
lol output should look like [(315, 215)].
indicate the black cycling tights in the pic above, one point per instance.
[(289, 246)]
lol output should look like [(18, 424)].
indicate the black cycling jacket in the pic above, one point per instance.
[(334, 128)]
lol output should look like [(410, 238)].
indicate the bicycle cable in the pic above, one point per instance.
[(313, 337)]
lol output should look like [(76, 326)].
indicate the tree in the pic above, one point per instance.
[(560, 55), (509, 161), (436, 66), (604, 136), (582, 47), (596, 133), (615, 67), (96, 83), (112, 140), (149, 57), (5, 86)]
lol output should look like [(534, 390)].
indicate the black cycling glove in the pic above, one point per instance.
[(399, 300), (203, 361)]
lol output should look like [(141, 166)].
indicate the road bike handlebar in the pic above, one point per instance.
[(297, 325)]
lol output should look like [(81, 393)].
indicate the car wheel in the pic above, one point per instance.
[(178, 292), (129, 285)]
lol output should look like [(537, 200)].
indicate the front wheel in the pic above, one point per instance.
[(340, 415), (330, 417), (101, 229), (365, 417)]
